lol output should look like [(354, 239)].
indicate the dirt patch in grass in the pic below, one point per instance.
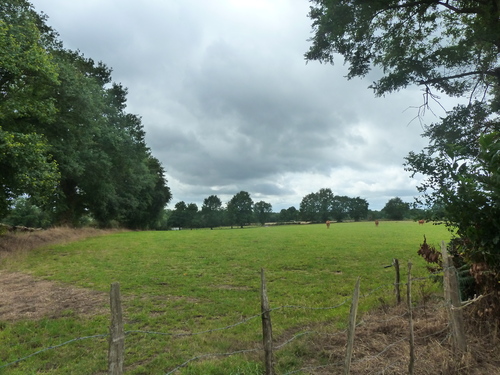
[(24, 297)]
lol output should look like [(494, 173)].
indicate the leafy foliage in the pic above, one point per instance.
[(66, 140), (289, 214), (240, 209), (212, 211), (26, 214), (451, 47), (396, 209), (262, 211), (324, 205), (26, 168)]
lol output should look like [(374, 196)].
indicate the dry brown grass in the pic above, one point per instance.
[(19, 243), (382, 345)]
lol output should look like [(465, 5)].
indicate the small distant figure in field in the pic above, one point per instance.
[(376, 223), (421, 222), (328, 224)]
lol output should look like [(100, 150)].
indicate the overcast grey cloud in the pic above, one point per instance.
[(229, 104)]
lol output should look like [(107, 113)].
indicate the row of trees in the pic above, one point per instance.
[(315, 207), (240, 210), (66, 142), (445, 47), (324, 205)]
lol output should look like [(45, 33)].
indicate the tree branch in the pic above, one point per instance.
[(461, 75), (437, 2), (457, 10)]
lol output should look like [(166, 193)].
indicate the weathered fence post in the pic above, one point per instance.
[(267, 328), (452, 298), (116, 333), (397, 283), (352, 328), (411, 364)]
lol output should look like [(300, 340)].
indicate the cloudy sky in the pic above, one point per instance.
[(229, 104)]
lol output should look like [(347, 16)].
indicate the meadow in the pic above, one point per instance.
[(177, 283)]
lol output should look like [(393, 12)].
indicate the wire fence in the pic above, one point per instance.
[(117, 337)]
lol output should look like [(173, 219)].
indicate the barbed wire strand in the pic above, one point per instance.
[(53, 347), (210, 355), (293, 339), (308, 368), (467, 303)]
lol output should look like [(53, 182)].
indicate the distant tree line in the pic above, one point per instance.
[(315, 207), (239, 211), (69, 152)]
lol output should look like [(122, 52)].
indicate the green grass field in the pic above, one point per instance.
[(183, 282)]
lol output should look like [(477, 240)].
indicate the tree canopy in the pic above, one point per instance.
[(66, 141), (262, 211), (212, 211), (396, 209), (240, 209), (449, 47), (324, 205)]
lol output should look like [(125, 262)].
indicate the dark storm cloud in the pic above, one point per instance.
[(229, 104)]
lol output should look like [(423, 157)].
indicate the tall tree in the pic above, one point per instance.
[(149, 202), (78, 140), (178, 216), (191, 215), (27, 73), (212, 211), (65, 137), (309, 207), (289, 214), (357, 208), (262, 211), (450, 47), (340, 207), (396, 209), (325, 204), (240, 208)]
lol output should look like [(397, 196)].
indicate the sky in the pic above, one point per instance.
[(229, 103)]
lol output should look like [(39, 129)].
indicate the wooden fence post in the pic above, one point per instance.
[(453, 302), (352, 328), (397, 284), (116, 333), (267, 328), (411, 364)]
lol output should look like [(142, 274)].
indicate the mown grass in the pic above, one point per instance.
[(182, 282)]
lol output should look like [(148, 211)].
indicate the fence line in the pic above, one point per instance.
[(53, 347), (209, 355), (276, 347)]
